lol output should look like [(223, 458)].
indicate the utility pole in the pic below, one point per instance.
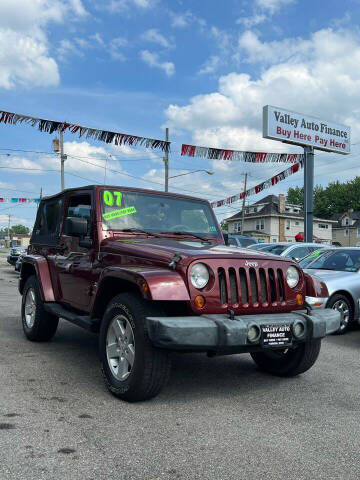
[(243, 207), (40, 198), (166, 161), (63, 157), (9, 235)]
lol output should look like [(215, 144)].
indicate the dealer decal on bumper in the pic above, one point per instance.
[(276, 335)]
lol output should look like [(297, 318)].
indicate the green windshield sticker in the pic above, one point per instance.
[(316, 253), (119, 213), (108, 197)]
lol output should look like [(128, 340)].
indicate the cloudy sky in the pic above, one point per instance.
[(204, 69)]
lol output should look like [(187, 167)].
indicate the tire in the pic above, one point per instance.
[(342, 303), (38, 326), (137, 371), (290, 362)]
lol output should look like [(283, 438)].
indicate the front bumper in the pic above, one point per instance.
[(219, 332)]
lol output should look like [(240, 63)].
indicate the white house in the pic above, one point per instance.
[(273, 220)]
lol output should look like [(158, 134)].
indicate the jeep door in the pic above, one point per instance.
[(75, 264)]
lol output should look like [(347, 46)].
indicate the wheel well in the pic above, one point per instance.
[(345, 294), (27, 269), (109, 288)]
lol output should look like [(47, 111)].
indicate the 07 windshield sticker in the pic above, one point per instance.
[(119, 213), (113, 198)]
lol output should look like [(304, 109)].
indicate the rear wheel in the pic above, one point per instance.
[(343, 305), (288, 362), (132, 368), (38, 325)]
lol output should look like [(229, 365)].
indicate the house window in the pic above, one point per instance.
[(255, 209), (287, 224), (323, 225), (358, 232), (346, 221), (346, 232), (237, 227), (260, 224), (334, 234), (297, 223)]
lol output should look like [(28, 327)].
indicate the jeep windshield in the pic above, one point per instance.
[(126, 211)]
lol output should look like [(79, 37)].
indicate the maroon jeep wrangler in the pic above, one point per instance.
[(151, 273)]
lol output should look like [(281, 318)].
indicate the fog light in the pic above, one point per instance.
[(253, 334), (299, 329), (199, 301)]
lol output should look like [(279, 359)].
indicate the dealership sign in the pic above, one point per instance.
[(291, 127)]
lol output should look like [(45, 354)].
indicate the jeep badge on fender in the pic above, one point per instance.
[(149, 272)]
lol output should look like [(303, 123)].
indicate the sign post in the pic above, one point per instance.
[(308, 193), (310, 133)]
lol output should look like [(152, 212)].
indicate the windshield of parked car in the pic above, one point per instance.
[(258, 246), (126, 210), (277, 249), (340, 260), (309, 258)]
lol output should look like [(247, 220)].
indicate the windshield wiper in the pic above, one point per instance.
[(139, 230), (190, 234)]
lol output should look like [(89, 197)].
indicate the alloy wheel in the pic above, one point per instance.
[(343, 307), (30, 308), (120, 347)]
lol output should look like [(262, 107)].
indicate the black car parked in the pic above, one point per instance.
[(14, 254)]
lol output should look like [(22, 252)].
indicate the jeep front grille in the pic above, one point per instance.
[(251, 286)]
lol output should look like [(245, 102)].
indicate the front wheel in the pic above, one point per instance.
[(288, 362), (343, 305), (132, 368)]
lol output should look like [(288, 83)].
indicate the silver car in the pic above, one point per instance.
[(289, 249), (339, 269)]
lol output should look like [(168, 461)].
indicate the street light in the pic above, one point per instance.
[(209, 172)]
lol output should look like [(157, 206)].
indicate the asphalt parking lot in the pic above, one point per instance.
[(217, 419)]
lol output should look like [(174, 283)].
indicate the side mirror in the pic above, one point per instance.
[(76, 227), (226, 238)]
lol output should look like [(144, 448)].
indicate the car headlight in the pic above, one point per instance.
[(292, 276), (199, 275)]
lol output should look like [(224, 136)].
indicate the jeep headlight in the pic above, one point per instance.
[(292, 276), (199, 275)]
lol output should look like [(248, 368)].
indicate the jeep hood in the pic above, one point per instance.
[(163, 249)]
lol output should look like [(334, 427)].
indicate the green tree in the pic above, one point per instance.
[(19, 229), (336, 197), (224, 225)]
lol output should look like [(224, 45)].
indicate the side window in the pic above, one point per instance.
[(232, 241), (47, 225), (80, 206)]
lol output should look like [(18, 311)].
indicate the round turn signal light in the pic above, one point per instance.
[(199, 301)]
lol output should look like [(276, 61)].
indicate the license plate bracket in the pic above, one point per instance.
[(276, 335)]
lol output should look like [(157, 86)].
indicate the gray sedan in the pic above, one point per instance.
[(289, 249), (340, 270)]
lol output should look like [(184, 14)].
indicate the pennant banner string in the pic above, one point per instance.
[(51, 126), (262, 186), (251, 157), (19, 200)]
